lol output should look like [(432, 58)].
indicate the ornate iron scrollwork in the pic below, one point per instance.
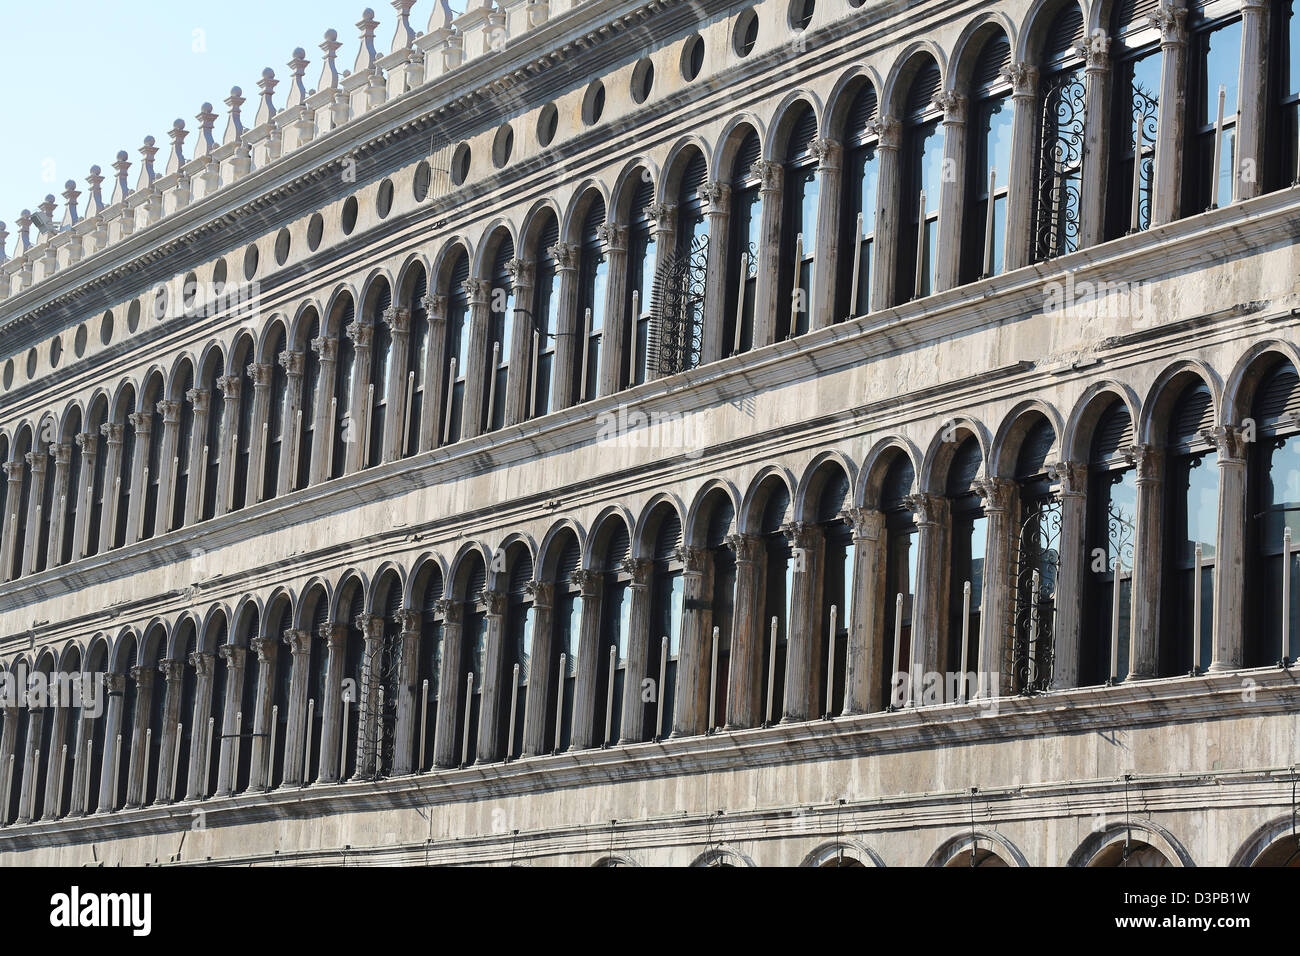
[(677, 310), (1034, 577), (1060, 166), (1145, 108)]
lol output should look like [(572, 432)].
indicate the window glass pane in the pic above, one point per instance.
[(675, 616), (1280, 490), (1202, 507), (1222, 56)]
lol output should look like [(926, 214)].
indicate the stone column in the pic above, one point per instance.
[(31, 760), (267, 660), (830, 176), (322, 444), (451, 689), (171, 416), (1020, 183), (55, 760), (519, 378), (865, 654), (613, 359), (889, 195), (694, 656), (766, 306), (398, 320), (1147, 561), (13, 497), (112, 474), (230, 386), (491, 680), (173, 671), (713, 344), (929, 604), (299, 643), (88, 442), (291, 429), (200, 744), (952, 198), (999, 496), (1098, 123), (744, 676), (1252, 104), (62, 454), (803, 647), (233, 719), (566, 272), (362, 334), (142, 422), (37, 461), (1230, 550), (539, 673), (1171, 20), (1073, 550), (8, 741), (590, 660), (115, 685), (81, 800), (632, 726), (474, 406), (407, 712), (200, 398), (433, 413), (369, 715), (333, 633)]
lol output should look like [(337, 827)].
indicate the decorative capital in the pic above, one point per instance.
[(952, 105), (112, 431), (199, 398), (493, 601), (1095, 51), (1228, 441), (1147, 459), (746, 547), (640, 570), (202, 663), (14, 471), (410, 621), (61, 452), (371, 626), (325, 348), (172, 669), (229, 385), (435, 307), (397, 318), (115, 683), (232, 654), (664, 215), (170, 411), (298, 641), (452, 611), (612, 236), (768, 173), (1073, 477), (542, 593), (477, 291), (36, 461), (521, 274), (142, 422), (827, 153), (361, 333), (332, 633), (1023, 78), (802, 535), (88, 442), (588, 582), (887, 130), (291, 361), (997, 493), (260, 374), (1171, 21), (264, 648), (565, 255), (717, 195), (143, 675), (867, 523)]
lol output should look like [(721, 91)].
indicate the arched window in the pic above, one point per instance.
[(156, 694), (244, 492), (149, 520), (858, 222), (120, 780), (1112, 525), (640, 279), (473, 651), (24, 447), (96, 731), (210, 466), (75, 503), (1273, 509), (246, 714), (341, 412), (181, 483), (969, 540), (278, 720), (317, 689), (1214, 59), (190, 735), (615, 611), (900, 569), (354, 655), (14, 775), (306, 426), (922, 186), (675, 344), (984, 231), (457, 352), (1284, 79), (723, 600), (5, 529), (47, 759), (47, 505), (382, 711), (215, 731), (744, 233), (592, 276), (66, 762), (1035, 560), (776, 601), (837, 591), (1191, 527), (666, 594), (518, 652), (1058, 159), (273, 437), (546, 305), (501, 333), (376, 397), (567, 623), (417, 358), (430, 668), (1135, 78), (122, 487), (798, 228)]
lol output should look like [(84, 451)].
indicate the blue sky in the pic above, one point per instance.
[(90, 77)]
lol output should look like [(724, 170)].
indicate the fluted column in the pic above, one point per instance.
[(539, 671), (200, 745), (865, 654), (88, 442), (928, 619), (115, 686), (37, 461), (266, 649), (230, 387), (999, 496), (491, 680), (478, 293), (613, 359), (58, 763), (31, 761), (298, 641), (1147, 561), (112, 487), (322, 444), (830, 200), (142, 422), (590, 660), (1171, 20), (233, 718), (171, 418), (1230, 550), (8, 742), (1252, 102), (1098, 129), (79, 762), (407, 712), (362, 334), (803, 649), (952, 198), (889, 197), (566, 272), (369, 716), (333, 633), (291, 428), (433, 412), (694, 661), (717, 197), (61, 453), (632, 726), (521, 346), (744, 679), (173, 671), (398, 320), (766, 306), (1024, 144), (1073, 562), (200, 399), (446, 749), (13, 498)]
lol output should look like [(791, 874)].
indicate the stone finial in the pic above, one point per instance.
[(266, 108), (176, 155), (24, 231), (404, 36), (207, 120), (234, 124), (329, 74), (367, 56), (297, 67), (95, 201), (147, 175), (121, 167), (4, 238), (70, 194), (441, 17), (47, 212)]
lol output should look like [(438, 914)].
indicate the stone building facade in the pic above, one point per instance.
[(662, 433)]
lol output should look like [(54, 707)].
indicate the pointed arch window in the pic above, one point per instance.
[(1058, 161), (798, 228), (592, 277), (984, 232), (922, 185), (858, 222), (501, 333), (744, 233), (1136, 58), (1111, 533), (640, 275), (1214, 60)]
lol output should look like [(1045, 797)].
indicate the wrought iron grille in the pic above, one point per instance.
[(381, 709), (677, 310), (1034, 574), (1142, 130), (1060, 166)]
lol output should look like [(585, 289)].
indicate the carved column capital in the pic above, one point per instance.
[(14, 472), (298, 641), (1073, 477), (802, 535), (435, 307), (115, 683), (612, 237), (200, 398), (291, 361), (143, 675), (172, 669), (361, 334), (867, 523), (233, 655), (142, 422), (1228, 442), (201, 661), (827, 152), (371, 626), (887, 130), (452, 611), (61, 452), (693, 559), (398, 319), (1023, 78), (332, 633), (1095, 51), (746, 547), (36, 461), (494, 602), (326, 348), (588, 582), (565, 255), (410, 621), (998, 493), (954, 107), (112, 431), (1171, 21), (88, 442), (717, 195), (521, 274), (542, 592), (260, 374), (170, 411), (264, 648), (769, 175), (477, 291), (640, 569), (1148, 460), (229, 385)]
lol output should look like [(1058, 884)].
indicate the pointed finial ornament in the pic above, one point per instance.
[(24, 231), (4, 239), (234, 125), (404, 36), (95, 201), (329, 74), (176, 156), (297, 66), (147, 174), (207, 120), (121, 169), (266, 109), (367, 55), (47, 210), (70, 194)]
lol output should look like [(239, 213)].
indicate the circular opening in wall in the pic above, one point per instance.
[(593, 104), (420, 185), (801, 13), (56, 352), (160, 303), (503, 145), (315, 230), (547, 123), (349, 215), (692, 57), (643, 79), (250, 262), (106, 328), (9, 373), (282, 242), (384, 201), (460, 165), (219, 277), (79, 341), (746, 33), (31, 363), (190, 291), (133, 316)]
